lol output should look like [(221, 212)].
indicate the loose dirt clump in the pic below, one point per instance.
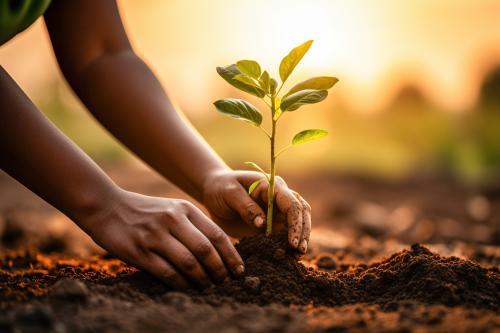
[(416, 274)]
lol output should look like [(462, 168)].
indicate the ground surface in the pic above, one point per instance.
[(362, 273)]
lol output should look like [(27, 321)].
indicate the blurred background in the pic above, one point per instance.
[(414, 121), (419, 81)]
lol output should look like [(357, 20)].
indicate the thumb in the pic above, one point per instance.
[(243, 204)]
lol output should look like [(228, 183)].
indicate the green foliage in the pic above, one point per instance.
[(292, 59), (248, 76), (265, 82), (249, 67), (316, 83), (272, 87), (247, 80), (308, 135), (257, 167), (239, 109), (307, 96), (228, 73), (254, 185)]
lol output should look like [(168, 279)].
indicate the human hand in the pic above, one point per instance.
[(226, 198), (169, 238)]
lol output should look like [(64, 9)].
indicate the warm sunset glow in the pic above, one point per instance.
[(443, 48)]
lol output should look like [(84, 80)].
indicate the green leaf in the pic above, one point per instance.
[(249, 67), (308, 135), (289, 62), (272, 86), (307, 96), (240, 109), (247, 80), (317, 83), (256, 167), (265, 81), (254, 185), (229, 72)]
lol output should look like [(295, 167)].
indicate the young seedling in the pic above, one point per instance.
[(248, 76)]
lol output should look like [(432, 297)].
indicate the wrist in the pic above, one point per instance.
[(91, 206), (210, 179)]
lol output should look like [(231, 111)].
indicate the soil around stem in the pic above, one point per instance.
[(274, 274), (414, 274), (412, 288)]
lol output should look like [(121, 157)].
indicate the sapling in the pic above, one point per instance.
[(248, 76)]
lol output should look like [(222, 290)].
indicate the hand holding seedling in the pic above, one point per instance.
[(167, 237), (248, 76)]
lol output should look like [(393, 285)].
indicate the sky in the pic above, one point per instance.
[(444, 48)]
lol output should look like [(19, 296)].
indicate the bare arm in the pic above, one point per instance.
[(169, 238), (42, 158), (125, 96)]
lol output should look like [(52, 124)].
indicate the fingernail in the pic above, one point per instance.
[(295, 242), (259, 221), (303, 246), (240, 269)]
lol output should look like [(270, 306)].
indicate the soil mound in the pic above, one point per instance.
[(273, 274)]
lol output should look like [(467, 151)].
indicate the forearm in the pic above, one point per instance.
[(44, 160), (125, 96)]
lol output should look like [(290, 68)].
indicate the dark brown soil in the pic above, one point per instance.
[(360, 275), (415, 274), (275, 275)]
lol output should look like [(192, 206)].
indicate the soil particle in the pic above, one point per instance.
[(69, 289), (279, 254), (252, 282), (326, 261)]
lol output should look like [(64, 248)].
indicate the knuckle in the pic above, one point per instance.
[(168, 274), (189, 263), (170, 213), (233, 188), (153, 227), (217, 236), (296, 204), (251, 209), (203, 249), (185, 205)]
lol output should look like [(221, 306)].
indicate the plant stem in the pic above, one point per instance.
[(270, 192)]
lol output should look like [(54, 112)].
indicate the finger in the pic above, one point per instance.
[(164, 271), (246, 207), (289, 205), (220, 240), (306, 226), (176, 253), (259, 194), (202, 249)]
